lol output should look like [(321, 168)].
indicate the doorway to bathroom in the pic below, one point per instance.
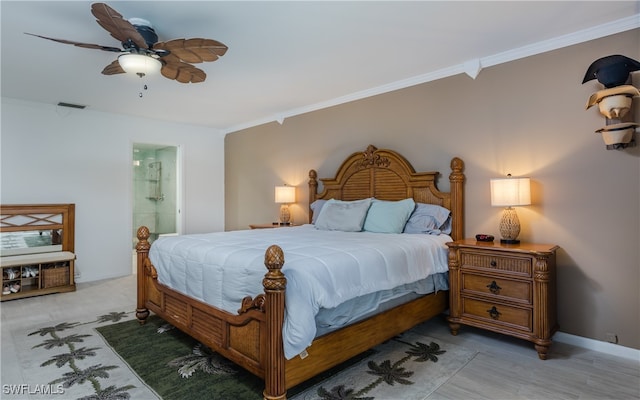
[(156, 183)]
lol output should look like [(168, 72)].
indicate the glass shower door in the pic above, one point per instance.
[(155, 189)]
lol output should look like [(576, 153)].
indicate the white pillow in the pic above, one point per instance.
[(388, 216), (346, 216)]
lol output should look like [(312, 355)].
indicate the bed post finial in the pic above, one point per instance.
[(142, 249), (313, 190), (274, 260), (143, 239), (274, 283), (456, 180)]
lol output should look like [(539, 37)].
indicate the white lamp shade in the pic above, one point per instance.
[(285, 194), (510, 192), (139, 64)]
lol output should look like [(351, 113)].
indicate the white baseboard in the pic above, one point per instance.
[(597, 345)]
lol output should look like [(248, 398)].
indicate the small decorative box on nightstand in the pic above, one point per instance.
[(510, 289)]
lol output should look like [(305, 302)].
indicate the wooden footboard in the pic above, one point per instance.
[(253, 338)]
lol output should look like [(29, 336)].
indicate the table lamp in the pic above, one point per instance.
[(509, 192), (284, 196)]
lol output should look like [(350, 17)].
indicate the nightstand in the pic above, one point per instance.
[(271, 225), (509, 289)]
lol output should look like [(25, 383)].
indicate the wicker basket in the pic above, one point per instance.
[(55, 276)]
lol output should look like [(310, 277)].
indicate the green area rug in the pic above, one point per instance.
[(410, 366), (177, 366), (113, 357)]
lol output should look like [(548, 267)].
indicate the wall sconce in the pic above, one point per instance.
[(284, 196), (509, 192), (614, 102)]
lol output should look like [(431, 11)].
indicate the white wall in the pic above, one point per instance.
[(53, 154)]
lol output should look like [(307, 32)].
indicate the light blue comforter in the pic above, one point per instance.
[(323, 268)]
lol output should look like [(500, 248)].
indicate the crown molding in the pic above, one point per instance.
[(585, 35)]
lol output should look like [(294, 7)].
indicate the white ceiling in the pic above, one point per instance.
[(285, 58)]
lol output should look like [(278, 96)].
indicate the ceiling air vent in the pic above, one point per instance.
[(71, 105)]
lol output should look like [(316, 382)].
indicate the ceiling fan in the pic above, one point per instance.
[(142, 53)]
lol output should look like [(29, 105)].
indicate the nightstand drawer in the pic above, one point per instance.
[(503, 289), (491, 262), (497, 313)]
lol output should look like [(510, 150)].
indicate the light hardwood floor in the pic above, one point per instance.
[(504, 368)]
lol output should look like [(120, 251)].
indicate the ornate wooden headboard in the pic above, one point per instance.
[(387, 175)]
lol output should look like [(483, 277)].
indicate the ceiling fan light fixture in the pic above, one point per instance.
[(139, 64), (141, 53)]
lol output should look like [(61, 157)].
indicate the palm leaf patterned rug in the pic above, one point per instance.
[(114, 357)]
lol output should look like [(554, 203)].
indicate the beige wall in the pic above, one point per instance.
[(527, 118)]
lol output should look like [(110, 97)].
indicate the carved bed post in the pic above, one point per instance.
[(274, 283), (142, 248), (313, 190), (456, 179)]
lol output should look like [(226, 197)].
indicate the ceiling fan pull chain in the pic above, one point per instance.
[(144, 88)]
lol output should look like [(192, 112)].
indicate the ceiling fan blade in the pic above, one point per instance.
[(80, 44), (195, 50), (118, 27), (180, 71), (113, 69)]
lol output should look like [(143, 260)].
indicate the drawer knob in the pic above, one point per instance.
[(494, 313), (493, 263), (494, 288)]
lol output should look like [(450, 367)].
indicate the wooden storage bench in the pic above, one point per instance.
[(37, 249)]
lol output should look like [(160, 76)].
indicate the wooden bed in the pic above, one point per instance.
[(253, 338)]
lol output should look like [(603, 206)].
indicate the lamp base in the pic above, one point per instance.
[(509, 226), (285, 215)]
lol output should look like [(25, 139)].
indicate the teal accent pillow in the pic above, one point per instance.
[(388, 216), (346, 216)]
